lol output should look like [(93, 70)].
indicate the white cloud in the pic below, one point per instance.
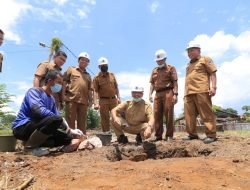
[(82, 14), (90, 2), (127, 81), (21, 85), (60, 2), (154, 6), (11, 11)]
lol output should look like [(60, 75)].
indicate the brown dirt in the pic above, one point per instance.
[(222, 165)]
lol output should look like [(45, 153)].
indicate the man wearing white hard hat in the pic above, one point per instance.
[(56, 64), (78, 93), (139, 118), (164, 82), (106, 93), (200, 86)]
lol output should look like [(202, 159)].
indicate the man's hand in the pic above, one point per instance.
[(96, 106), (212, 91), (117, 121), (66, 98), (175, 99), (76, 133), (147, 132), (118, 100)]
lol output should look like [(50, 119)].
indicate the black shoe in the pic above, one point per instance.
[(157, 139), (209, 140), (188, 138), (122, 139), (169, 139), (138, 139)]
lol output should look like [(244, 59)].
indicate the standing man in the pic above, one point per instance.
[(106, 93), (139, 118), (38, 119), (200, 86), (1, 42), (77, 93), (164, 81), (42, 69)]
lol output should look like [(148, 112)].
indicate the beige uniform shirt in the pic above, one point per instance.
[(136, 113), (43, 68), (78, 85), (197, 75), (105, 85), (162, 78), (1, 62)]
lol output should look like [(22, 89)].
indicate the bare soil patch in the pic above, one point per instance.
[(224, 164)]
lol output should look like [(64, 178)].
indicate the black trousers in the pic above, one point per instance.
[(49, 126)]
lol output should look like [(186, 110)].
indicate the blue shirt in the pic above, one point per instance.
[(36, 105)]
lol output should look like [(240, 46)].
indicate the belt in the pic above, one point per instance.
[(164, 89), (108, 97)]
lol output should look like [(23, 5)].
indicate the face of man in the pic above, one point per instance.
[(193, 53), (60, 60), (83, 62), (1, 38), (137, 94), (58, 80), (104, 68)]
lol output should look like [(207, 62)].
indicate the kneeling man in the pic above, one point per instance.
[(134, 117)]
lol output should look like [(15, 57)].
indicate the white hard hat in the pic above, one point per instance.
[(160, 55), (137, 89), (84, 54), (193, 45), (103, 61)]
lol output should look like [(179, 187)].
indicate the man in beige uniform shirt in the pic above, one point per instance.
[(164, 81), (1, 42), (200, 86), (59, 59), (77, 92), (106, 93), (139, 118)]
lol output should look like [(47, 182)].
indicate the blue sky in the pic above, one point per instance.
[(128, 32)]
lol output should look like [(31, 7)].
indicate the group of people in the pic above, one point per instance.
[(38, 121)]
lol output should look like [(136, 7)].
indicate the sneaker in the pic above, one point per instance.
[(188, 138), (122, 139), (209, 140), (40, 151), (138, 139)]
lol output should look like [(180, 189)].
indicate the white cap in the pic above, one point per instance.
[(137, 89), (103, 61), (160, 55), (84, 54), (193, 45)]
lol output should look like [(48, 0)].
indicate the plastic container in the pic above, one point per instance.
[(7, 143)]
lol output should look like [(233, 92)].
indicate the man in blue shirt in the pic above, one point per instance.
[(38, 119)]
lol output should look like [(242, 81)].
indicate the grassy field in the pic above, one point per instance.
[(5, 131), (242, 133)]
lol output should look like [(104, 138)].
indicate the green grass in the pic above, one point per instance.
[(242, 133), (5, 131)]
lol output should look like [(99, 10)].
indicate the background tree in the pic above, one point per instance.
[(6, 117), (231, 110), (55, 46), (93, 119), (246, 108)]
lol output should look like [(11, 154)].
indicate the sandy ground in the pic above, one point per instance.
[(222, 165)]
